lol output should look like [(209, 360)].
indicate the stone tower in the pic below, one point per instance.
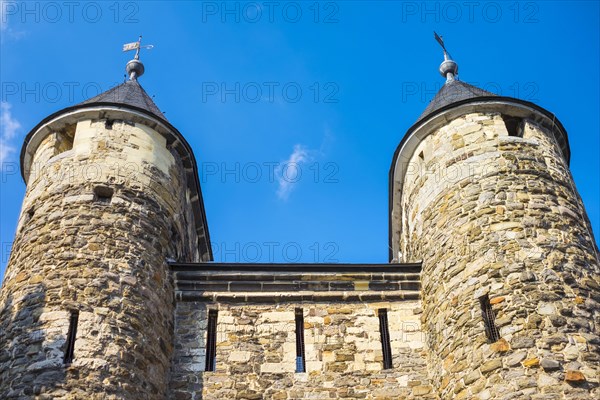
[(481, 193), (87, 301)]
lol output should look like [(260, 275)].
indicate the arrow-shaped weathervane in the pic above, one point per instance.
[(441, 42)]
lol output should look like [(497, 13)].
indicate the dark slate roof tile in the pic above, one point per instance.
[(129, 93), (452, 92)]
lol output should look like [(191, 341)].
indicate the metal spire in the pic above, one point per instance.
[(135, 68), (448, 68)]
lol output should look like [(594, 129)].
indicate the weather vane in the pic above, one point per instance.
[(441, 42), (135, 68), (448, 68), (136, 46)]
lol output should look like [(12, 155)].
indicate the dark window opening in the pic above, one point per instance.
[(103, 194), (175, 242), (174, 233), (108, 124), (300, 356), (29, 215), (514, 125), (64, 139), (211, 341), (71, 335), (422, 156), (385, 338), (489, 318)]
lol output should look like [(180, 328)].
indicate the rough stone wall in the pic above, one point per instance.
[(494, 214), (256, 353), (104, 257)]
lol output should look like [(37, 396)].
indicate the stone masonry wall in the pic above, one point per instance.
[(102, 256), (494, 214), (256, 353)]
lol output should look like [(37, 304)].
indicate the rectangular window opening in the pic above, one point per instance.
[(385, 338), (211, 341), (300, 357), (514, 125), (64, 139), (489, 318), (103, 194), (71, 335)]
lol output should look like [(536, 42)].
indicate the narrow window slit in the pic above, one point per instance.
[(30, 214), (175, 242), (71, 335), (385, 338), (300, 356), (211, 341), (489, 318)]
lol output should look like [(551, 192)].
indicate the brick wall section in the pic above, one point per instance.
[(489, 213)]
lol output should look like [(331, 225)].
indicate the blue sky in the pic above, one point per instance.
[(330, 86)]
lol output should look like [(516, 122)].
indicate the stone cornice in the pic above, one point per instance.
[(267, 283)]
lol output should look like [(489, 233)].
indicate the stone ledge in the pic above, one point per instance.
[(266, 276), (218, 285), (209, 267), (278, 297), (268, 283)]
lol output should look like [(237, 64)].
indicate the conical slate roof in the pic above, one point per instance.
[(129, 93), (453, 91)]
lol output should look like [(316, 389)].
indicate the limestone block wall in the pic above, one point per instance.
[(97, 223), (498, 215), (256, 353)]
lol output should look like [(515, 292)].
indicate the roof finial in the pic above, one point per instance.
[(135, 68), (448, 68)]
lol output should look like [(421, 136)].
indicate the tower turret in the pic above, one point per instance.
[(481, 193), (87, 300)]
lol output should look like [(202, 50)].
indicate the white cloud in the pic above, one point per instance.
[(8, 125), (6, 32), (289, 173), (3, 16), (5, 150), (8, 130)]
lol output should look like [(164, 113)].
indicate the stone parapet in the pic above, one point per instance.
[(296, 282), (256, 331)]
